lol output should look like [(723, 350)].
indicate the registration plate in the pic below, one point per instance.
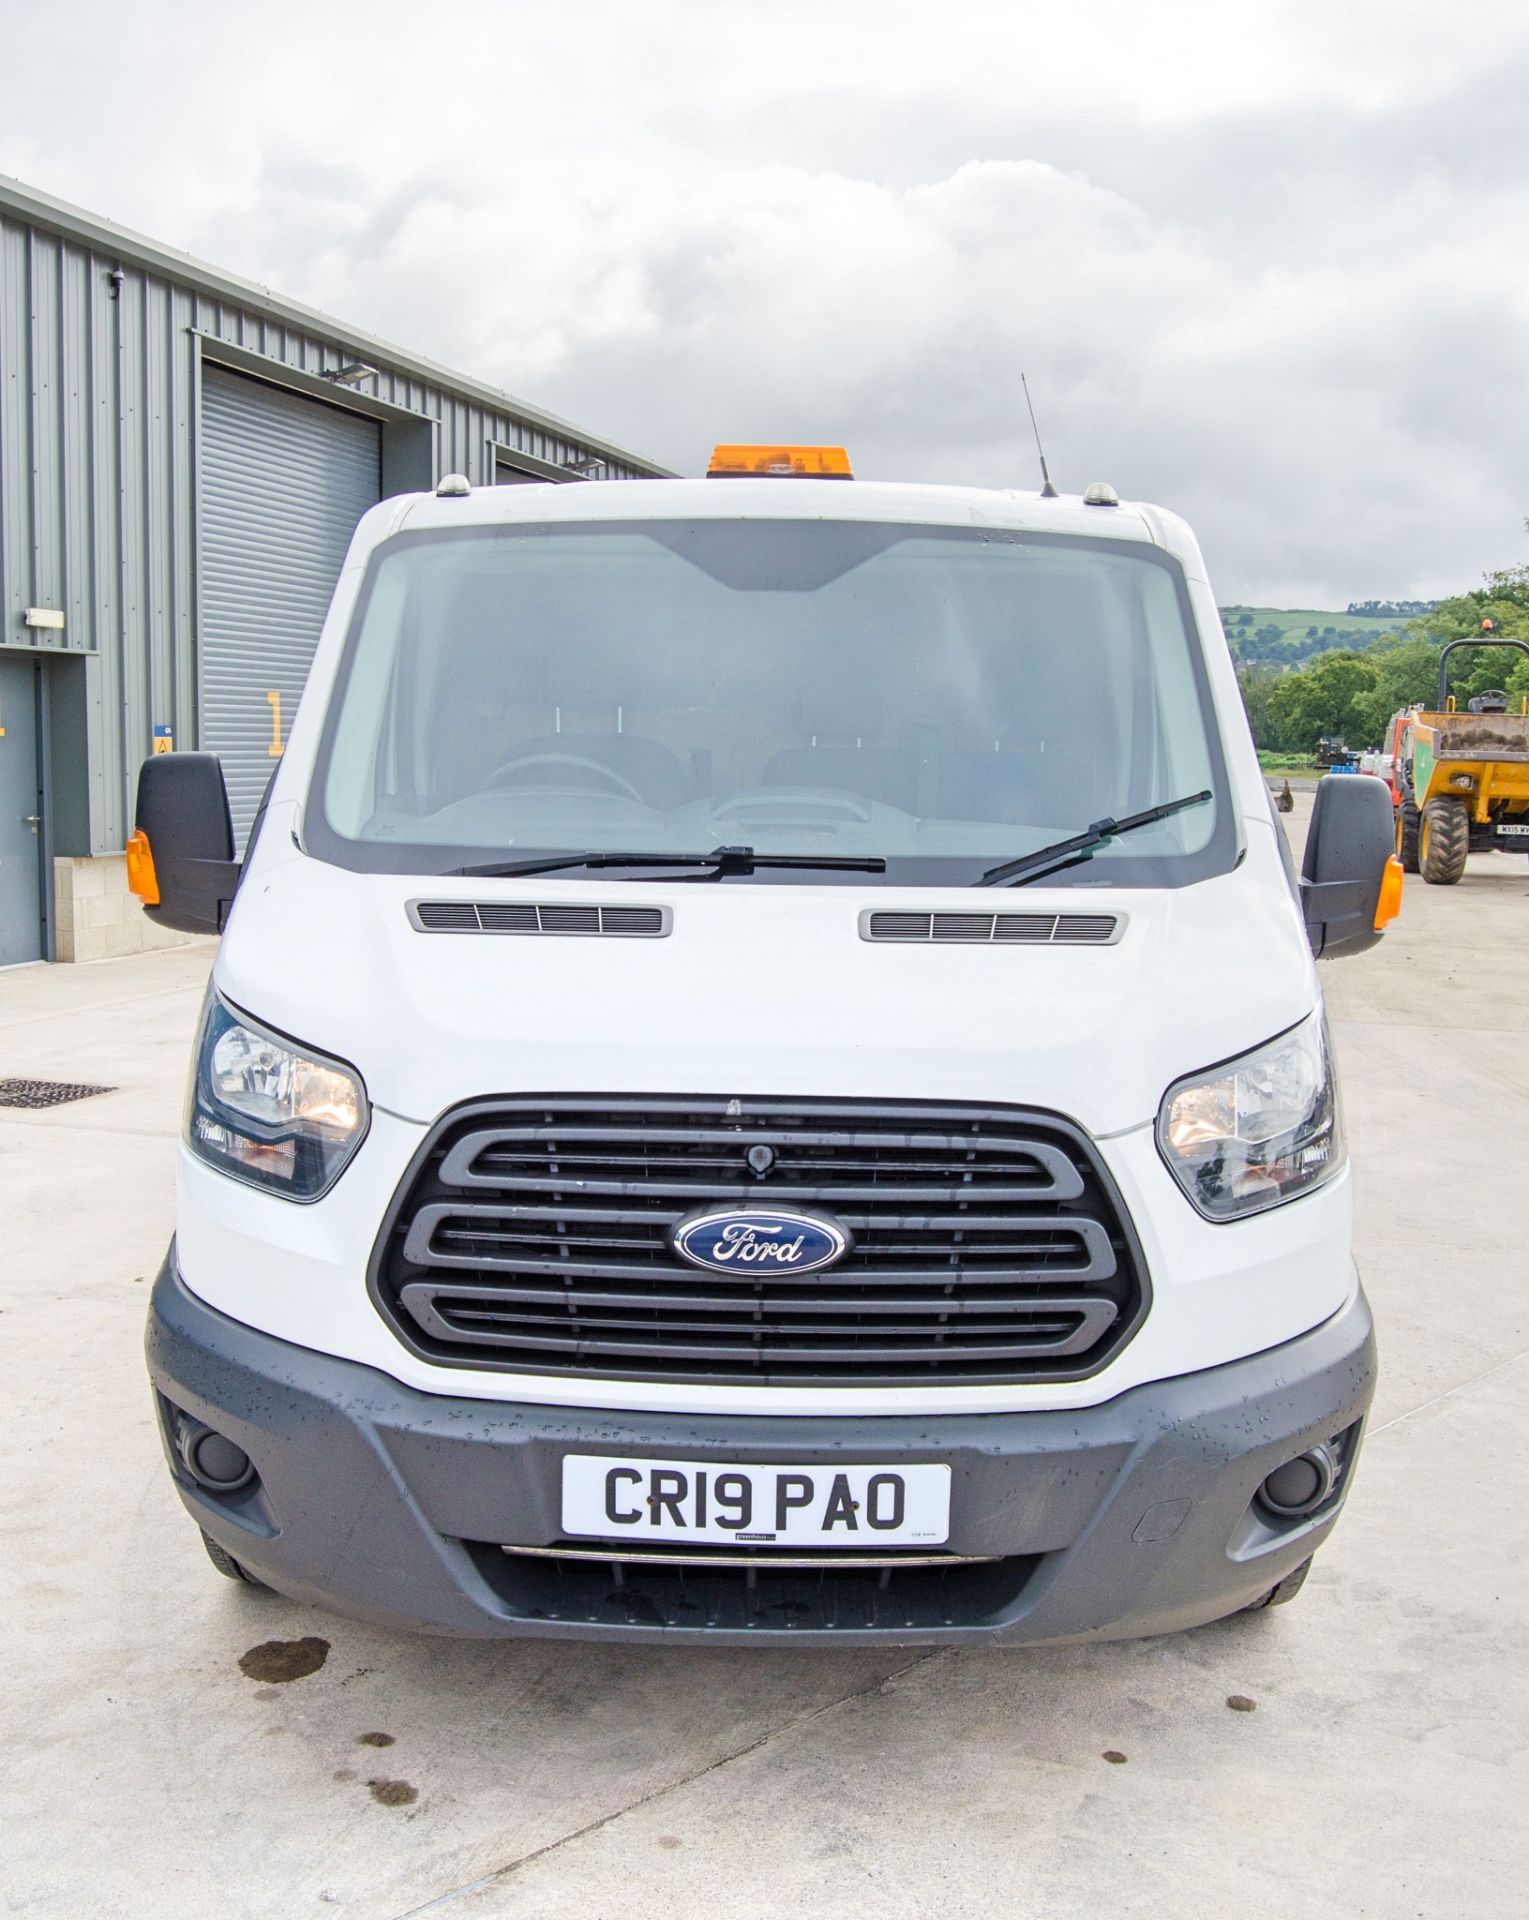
[(1514, 832), (774, 1506)]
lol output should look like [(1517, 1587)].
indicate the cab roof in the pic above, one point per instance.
[(781, 499)]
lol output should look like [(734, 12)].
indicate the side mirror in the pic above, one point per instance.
[(1351, 881), (180, 860)]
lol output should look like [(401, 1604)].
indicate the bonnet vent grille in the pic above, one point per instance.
[(518, 916), (1004, 929)]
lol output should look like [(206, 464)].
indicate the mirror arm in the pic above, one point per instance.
[(1325, 902), (221, 879), (203, 897)]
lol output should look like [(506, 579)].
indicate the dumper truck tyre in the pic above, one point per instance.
[(1282, 1594), (1444, 839), (1408, 820)]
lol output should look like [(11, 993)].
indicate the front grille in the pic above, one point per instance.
[(986, 1244), (923, 1595)]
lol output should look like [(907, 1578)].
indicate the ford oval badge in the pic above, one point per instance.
[(759, 1240)]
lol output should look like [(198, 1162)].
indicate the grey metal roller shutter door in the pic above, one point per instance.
[(283, 482)]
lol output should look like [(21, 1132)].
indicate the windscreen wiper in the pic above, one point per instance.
[(1082, 846), (725, 862)]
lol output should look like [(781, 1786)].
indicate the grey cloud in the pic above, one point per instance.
[(1329, 411), (1469, 129), (1302, 323)]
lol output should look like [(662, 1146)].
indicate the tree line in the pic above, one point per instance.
[(1290, 646), (1353, 693)]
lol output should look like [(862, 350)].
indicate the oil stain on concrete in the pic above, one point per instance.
[(393, 1793), (277, 1661)]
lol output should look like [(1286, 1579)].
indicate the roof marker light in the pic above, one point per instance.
[(452, 486), (786, 463), (1101, 494)]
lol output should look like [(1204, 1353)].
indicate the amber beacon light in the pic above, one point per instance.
[(786, 463)]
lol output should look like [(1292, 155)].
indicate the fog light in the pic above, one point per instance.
[(212, 1459), (1301, 1485)]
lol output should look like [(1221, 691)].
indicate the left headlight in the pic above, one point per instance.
[(264, 1110), (1256, 1131)]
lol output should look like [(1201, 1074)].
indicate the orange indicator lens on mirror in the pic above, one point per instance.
[(790, 463), (141, 877)]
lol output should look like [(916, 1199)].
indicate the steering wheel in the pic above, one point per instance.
[(502, 775)]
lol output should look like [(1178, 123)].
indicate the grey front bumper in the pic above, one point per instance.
[(1134, 1517)]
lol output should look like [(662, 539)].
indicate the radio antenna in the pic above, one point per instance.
[(1048, 492)]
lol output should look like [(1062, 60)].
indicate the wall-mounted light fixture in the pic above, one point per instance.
[(351, 374)]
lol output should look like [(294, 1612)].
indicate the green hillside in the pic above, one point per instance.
[(1288, 635)]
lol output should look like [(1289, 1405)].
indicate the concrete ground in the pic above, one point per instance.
[(1381, 1771)]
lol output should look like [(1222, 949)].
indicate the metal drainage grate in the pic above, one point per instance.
[(45, 1093)]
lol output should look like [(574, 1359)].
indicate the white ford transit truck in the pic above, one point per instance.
[(765, 1077)]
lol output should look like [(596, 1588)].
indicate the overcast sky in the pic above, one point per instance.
[(1263, 262)]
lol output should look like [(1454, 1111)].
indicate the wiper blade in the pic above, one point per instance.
[(1082, 846), (724, 862)]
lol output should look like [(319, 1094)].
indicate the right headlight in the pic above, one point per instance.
[(1258, 1130), (269, 1112)]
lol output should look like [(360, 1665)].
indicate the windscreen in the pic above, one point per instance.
[(945, 699)]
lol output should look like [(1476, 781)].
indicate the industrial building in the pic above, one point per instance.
[(183, 458)]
